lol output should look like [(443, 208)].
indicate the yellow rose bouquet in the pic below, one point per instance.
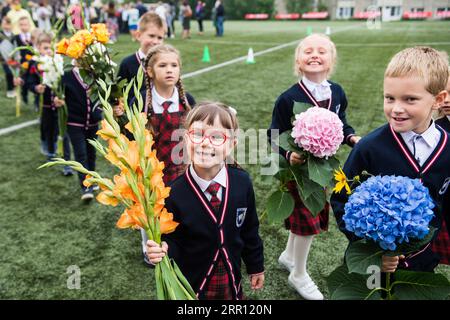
[(138, 186), (89, 48)]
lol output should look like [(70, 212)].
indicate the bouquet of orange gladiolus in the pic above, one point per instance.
[(139, 186), (89, 48)]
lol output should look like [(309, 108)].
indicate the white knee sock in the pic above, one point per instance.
[(302, 244), (290, 247)]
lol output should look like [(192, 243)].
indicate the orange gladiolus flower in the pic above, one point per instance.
[(107, 131), (25, 65), (166, 223), (75, 49), (100, 32), (86, 183), (122, 189), (162, 193), (61, 47), (132, 155), (83, 36), (133, 217), (148, 143), (107, 198), (28, 57)]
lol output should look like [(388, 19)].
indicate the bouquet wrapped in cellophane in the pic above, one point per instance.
[(89, 48), (138, 186)]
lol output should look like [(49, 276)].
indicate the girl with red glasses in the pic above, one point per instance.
[(214, 203)]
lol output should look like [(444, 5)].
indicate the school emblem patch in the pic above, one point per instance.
[(338, 107), (240, 216), (444, 186)]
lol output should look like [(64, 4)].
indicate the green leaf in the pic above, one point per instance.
[(319, 171), (413, 245), (362, 254), (334, 163), (300, 107), (315, 202), (279, 206), (306, 187), (343, 285), (410, 285), (182, 279), (287, 142)]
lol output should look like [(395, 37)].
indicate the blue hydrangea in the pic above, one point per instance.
[(389, 210)]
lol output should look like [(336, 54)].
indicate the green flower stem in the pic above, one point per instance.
[(388, 285)]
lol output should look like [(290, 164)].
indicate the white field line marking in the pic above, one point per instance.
[(389, 44), (191, 74), (18, 126)]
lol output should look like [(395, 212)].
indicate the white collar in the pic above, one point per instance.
[(448, 117), (141, 55), (429, 136), (160, 100), (311, 85), (220, 178)]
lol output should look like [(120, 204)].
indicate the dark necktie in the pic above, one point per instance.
[(213, 188), (415, 139), (166, 114)]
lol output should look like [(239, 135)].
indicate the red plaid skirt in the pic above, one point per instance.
[(441, 245), (301, 222), (164, 145), (219, 286)]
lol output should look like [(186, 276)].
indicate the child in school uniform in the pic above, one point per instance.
[(82, 124), (166, 105), (6, 44), (214, 203), (443, 118), (20, 40), (151, 31), (49, 116), (410, 144), (441, 245), (315, 58)]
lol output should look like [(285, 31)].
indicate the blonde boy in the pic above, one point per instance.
[(410, 144)]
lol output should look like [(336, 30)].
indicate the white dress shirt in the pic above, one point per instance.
[(220, 178), (320, 91), (157, 101), (422, 145), (141, 55)]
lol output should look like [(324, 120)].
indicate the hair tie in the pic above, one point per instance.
[(233, 110)]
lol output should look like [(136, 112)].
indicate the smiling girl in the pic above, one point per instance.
[(315, 58), (215, 205)]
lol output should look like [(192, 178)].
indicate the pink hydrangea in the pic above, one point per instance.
[(318, 131)]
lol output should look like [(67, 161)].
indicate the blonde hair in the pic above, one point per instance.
[(298, 53), (43, 37), (151, 18), (422, 62), (149, 62)]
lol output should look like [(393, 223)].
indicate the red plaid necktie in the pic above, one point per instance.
[(166, 114), (213, 188)]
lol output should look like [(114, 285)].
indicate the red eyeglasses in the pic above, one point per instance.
[(216, 138)]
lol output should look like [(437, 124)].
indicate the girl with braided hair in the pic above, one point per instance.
[(166, 106)]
